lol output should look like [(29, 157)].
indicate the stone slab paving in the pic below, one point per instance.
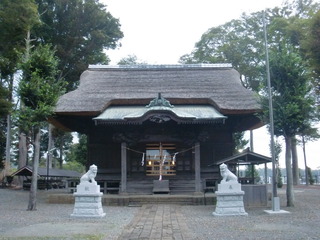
[(163, 221)]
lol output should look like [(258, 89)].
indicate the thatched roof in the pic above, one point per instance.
[(101, 86)]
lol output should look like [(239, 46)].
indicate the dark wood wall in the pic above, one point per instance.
[(104, 144)]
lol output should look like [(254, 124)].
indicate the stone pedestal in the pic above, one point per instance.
[(229, 200), (161, 186), (88, 201)]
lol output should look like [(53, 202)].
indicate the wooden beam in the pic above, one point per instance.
[(197, 168), (123, 167)]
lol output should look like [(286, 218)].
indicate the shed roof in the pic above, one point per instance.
[(42, 172), (102, 86), (247, 157)]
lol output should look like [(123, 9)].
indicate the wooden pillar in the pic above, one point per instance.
[(123, 167), (197, 168)]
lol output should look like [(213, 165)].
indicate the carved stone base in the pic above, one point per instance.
[(229, 200), (88, 201)]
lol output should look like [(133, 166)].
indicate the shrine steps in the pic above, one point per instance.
[(133, 200), (177, 185)]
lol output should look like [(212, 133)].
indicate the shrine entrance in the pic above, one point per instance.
[(160, 159)]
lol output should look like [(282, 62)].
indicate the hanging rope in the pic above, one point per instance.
[(142, 160), (155, 156)]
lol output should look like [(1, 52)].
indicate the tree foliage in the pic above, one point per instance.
[(240, 142), (294, 102), (5, 108), (252, 172), (62, 144), (241, 41), (39, 87), (5, 105), (16, 19), (80, 30), (131, 60), (311, 45), (78, 151)]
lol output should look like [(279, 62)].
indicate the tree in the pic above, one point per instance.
[(16, 19), (5, 105), (310, 179), (311, 45), (78, 151), (294, 104), (277, 151), (39, 90), (239, 141), (80, 30), (63, 141), (5, 108), (308, 134), (131, 60), (252, 172)]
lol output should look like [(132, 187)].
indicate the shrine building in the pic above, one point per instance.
[(158, 122)]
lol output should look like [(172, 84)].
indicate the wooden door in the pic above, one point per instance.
[(160, 159)]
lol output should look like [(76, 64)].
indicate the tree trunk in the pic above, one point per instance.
[(34, 183), (23, 151), (8, 139), (8, 147), (50, 146), (295, 165), (305, 160), (290, 194)]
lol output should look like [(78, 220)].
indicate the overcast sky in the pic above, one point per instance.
[(161, 31)]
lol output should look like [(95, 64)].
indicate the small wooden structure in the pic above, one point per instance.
[(47, 178), (255, 194)]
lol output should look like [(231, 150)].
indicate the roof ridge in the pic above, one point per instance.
[(161, 66)]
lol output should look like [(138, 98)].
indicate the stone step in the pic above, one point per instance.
[(176, 186), (138, 200)]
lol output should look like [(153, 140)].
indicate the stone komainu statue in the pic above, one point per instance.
[(226, 174), (90, 175)]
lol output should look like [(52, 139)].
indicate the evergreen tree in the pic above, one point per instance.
[(78, 151), (39, 90), (16, 19), (80, 30)]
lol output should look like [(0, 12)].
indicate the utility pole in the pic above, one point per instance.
[(275, 198)]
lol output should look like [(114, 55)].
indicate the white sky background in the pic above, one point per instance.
[(161, 31)]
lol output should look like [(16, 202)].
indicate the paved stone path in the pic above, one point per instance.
[(157, 222)]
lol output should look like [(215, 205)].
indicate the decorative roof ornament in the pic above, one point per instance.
[(159, 102)]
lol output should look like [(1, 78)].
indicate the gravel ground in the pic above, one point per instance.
[(302, 221), (52, 221)]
